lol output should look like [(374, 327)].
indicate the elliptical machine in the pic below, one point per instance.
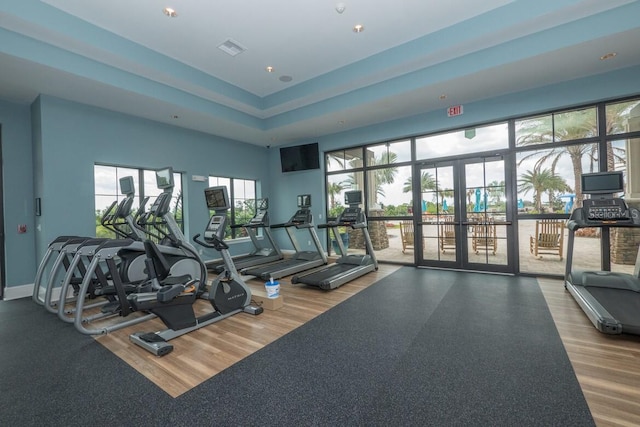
[(173, 303)]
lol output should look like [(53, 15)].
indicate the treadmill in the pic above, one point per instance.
[(300, 260), (610, 300), (347, 267), (261, 254)]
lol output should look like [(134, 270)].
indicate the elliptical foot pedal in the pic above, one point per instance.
[(112, 307), (151, 342)]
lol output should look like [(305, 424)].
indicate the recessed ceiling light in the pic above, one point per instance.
[(171, 13), (608, 56), (358, 28), (269, 69), (285, 79)]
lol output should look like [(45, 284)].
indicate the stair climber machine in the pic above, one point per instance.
[(300, 260), (262, 253), (174, 304), (60, 252), (610, 300), (116, 268), (347, 267)]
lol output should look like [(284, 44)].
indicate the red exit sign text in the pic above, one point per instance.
[(456, 110)]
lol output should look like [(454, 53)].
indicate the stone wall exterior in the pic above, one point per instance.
[(377, 232), (624, 245)]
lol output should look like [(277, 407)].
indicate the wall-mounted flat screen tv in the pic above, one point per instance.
[(300, 157)]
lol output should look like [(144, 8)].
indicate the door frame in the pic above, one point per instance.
[(2, 237), (461, 220)]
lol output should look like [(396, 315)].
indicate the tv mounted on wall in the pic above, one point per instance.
[(300, 157)]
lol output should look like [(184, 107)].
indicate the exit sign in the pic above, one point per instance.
[(456, 110)]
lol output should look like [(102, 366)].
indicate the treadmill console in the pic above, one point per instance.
[(302, 216), (350, 215), (259, 219), (600, 210)]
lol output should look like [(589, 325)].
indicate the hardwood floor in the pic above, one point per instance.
[(607, 366), (205, 352)]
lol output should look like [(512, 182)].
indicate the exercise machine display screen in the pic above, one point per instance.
[(217, 198), (126, 185), (164, 178), (304, 201), (602, 182), (353, 198)]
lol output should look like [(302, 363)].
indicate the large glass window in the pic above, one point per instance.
[(344, 159), (388, 153), (545, 159), (107, 191), (621, 117), (548, 180), (337, 185), (390, 191), (470, 140), (242, 198), (562, 126)]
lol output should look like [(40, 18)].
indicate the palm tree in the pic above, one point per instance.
[(532, 181), (571, 126), (541, 181), (426, 183), (496, 191), (333, 190), (385, 175)]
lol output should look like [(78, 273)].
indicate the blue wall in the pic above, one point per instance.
[(73, 137), (49, 150), (17, 193)]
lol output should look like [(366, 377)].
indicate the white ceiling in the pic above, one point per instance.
[(129, 57)]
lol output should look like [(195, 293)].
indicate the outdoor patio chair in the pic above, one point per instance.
[(407, 235), (447, 235), (548, 238), (484, 237)]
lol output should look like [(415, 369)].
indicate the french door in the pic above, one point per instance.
[(464, 216)]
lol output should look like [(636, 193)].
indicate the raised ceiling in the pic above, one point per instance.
[(130, 57)]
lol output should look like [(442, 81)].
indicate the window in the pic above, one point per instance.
[(337, 185), (388, 153), (107, 191), (242, 199), (548, 181), (344, 159), (623, 117), (389, 191), (470, 140), (562, 126)]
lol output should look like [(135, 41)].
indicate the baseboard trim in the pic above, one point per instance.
[(17, 292)]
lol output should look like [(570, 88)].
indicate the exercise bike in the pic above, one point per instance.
[(173, 303)]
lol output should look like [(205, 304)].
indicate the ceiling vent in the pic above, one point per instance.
[(231, 47)]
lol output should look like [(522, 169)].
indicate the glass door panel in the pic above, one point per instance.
[(438, 209), (485, 212), (464, 219)]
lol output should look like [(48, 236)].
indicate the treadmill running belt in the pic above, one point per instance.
[(623, 305)]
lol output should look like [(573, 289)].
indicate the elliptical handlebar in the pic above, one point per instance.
[(218, 244)]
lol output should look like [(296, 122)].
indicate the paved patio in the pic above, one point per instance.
[(586, 251)]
